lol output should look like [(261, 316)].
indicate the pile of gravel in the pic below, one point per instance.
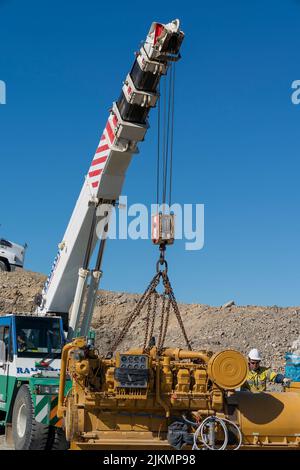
[(272, 329)]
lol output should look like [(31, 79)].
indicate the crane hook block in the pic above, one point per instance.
[(163, 229)]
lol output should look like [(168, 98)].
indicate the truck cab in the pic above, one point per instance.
[(11, 255), (30, 351)]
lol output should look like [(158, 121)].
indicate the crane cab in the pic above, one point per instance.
[(30, 351)]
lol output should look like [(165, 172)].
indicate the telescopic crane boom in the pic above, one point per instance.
[(126, 126)]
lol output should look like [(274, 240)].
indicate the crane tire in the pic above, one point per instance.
[(28, 434), (58, 440)]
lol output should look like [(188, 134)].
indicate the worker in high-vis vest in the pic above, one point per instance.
[(258, 376)]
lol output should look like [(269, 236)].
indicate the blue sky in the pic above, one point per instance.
[(236, 137)]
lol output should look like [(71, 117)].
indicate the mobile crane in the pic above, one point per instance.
[(30, 346), (150, 397), (156, 397)]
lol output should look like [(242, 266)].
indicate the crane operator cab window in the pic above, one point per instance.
[(38, 336), (5, 345)]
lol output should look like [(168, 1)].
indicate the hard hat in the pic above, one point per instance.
[(254, 355)]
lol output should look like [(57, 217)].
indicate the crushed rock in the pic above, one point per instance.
[(271, 329)]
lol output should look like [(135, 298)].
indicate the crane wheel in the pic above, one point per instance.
[(27, 433), (58, 440)]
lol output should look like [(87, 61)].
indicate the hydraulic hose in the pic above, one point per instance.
[(200, 430), (212, 419)]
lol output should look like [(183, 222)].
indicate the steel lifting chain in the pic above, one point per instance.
[(150, 292), (165, 326), (174, 304), (147, 323), (136, 311), (171, 300), (152, 315), (162, 319)]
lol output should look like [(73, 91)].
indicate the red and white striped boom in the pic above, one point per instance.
[(126, 126)]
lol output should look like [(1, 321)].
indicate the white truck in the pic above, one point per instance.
[(11, 255)]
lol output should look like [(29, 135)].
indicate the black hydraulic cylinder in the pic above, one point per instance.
[(132, 112), (144, 81)]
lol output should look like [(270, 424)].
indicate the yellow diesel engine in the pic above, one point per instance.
[(172, 399)]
